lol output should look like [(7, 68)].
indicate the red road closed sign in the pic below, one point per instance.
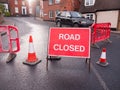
[(73, 42)]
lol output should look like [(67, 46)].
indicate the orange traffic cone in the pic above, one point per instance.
[(32, 59), (102, 61)]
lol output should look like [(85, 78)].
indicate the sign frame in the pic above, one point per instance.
[(89, 41)]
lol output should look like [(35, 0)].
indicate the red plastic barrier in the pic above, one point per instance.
[(7, 30), (100, 32)]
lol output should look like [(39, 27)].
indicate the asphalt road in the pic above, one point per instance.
[(65, 74)]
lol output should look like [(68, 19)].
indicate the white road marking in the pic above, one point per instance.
[(101, 81)]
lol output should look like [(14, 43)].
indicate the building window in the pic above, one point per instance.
[(51, 14), (30, 10), (50, 2), (89, 2), (57, 1), (16, 10), (23, 3), (57, 12), (6, 7), (16, 2), (89, 16)]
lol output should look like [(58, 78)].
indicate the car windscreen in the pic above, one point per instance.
[(75, 14)]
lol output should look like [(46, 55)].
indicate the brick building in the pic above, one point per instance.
[(102, 11), (34, 7), (52, 7), (4, 2), (18, 7)]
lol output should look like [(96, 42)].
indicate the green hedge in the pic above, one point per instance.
[(7, 14)]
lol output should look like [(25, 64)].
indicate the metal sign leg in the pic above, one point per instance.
[(88, 60), (11, 57), (47, 63)]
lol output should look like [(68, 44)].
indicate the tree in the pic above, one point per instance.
[(2, 8)]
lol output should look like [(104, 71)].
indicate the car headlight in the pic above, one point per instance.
[(83, 22)]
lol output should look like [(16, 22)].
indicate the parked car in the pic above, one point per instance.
[(72, 18)]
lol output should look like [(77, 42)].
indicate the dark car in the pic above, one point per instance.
[(72, 18)]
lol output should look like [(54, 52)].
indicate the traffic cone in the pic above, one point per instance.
[(31, 59), (102, 61)]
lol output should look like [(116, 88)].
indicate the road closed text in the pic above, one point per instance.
[(69, 42), (75, 48), (65, 47), (69, 36)]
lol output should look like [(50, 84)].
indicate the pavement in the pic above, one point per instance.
[(6, 22), (36, 78), (117, 32)]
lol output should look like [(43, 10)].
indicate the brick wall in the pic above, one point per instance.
[(12, 6), (69, 5)]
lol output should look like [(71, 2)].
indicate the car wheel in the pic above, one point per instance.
[(76, 25), (58, 24)]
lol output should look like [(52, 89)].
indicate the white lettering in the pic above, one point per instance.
[(65, 47), (69, 36), (66, 36), (82, 49), (77, 48), (72, 37), (73, 48), (60, 36), (77, 37), (56, 47)]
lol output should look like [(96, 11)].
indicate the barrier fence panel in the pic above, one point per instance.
[(8, 42), (101, 32)]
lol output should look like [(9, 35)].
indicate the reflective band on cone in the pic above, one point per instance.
[(102, 61), (32, 59), (31, 54), (103, 57)]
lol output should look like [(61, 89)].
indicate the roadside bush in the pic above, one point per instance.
[(7, 14), (2, 8)]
